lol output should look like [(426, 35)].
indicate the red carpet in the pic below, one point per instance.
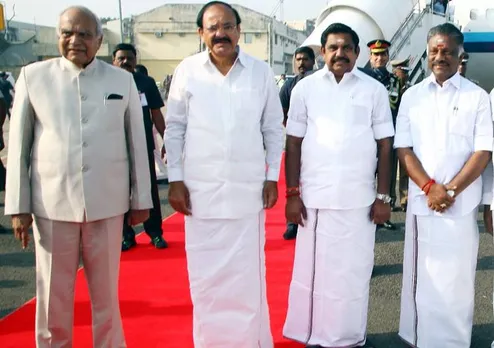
[(154, 293)]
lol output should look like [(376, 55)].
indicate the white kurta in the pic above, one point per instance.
[(340, 123), (444, 126), (224, 138), (490, 179)]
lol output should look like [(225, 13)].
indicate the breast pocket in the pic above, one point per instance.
[(248, 105), (461, 128), (360, 113), (113, 112)]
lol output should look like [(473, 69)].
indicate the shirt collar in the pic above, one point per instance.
[(454, 80), (329, 74), (242, 57), (68, 65)]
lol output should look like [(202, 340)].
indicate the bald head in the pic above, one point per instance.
[(80, 35), (77, 11)]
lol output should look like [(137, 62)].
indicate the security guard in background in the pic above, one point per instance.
[(462, 68), (379, 58), (124, 56), (305, 60), (401, 71)]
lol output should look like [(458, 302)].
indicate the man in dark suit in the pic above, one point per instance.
[(124, 56), (304, 65)]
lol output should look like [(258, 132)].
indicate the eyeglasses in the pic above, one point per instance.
[(227, 28)]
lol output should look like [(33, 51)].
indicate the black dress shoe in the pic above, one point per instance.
[(291, 232), (159, 242), (128, 244)]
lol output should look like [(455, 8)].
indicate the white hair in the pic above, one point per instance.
[(461, 50), (87, 12)]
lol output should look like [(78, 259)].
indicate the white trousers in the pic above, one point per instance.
[(227, 276), (329, 292), (59, 246), (437, 299), (492, 345)]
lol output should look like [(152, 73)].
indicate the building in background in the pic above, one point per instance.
[(23, 43), (167, 34), (306, 26), (163, 37)]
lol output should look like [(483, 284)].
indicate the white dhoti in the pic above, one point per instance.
[(59, 246), (227, 275), (437, 299), (329, 292)]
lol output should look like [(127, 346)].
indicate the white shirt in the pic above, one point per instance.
[(224, 134), (340, 123), (488, 174), (445, 126)]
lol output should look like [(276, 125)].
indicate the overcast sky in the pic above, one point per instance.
[(45, 12)]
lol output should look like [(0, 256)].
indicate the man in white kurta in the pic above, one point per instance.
[(76, 136), (339, 132), (488, 182), (224, 138), (444, 139)]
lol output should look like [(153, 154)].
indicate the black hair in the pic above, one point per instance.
[(339, 28), (141, 69), (200, 15), (124, 47), (307, 50), (447, 29)]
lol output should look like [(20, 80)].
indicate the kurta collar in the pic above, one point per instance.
[(69, 66), (330, 75), (454, 80), (242, 58)]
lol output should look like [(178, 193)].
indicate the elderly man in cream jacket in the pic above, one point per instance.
[(76, 132)]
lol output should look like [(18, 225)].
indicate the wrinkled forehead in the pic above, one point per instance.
[(339, 40), (218, 14), (77, 21)]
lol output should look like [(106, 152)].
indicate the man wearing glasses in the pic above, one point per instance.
[(224, 141)]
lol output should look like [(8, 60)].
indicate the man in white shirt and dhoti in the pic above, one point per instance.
[(224, 141), (339, 132), (444, 140), (488, 183), (76, 145)]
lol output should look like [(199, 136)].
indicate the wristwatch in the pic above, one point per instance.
[(385, 198)]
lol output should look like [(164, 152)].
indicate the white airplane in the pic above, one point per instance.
[(475, 18), (404, 23)]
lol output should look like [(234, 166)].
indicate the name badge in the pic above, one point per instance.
[(144, 101)]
